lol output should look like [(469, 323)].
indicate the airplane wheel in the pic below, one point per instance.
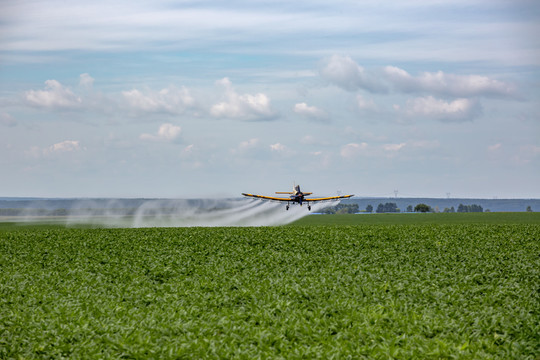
[(287, 207), (309, 208)]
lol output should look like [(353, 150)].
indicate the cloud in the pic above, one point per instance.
[(251, 148), (246, 146), (310, 112), (365, 104), (394, 147), (344, 72), (242, 107), (166, 133), (188, 149), (152, 26), (353, 149), (447, 84), (457, 111), (86, 80), (170, 100), (278, 147), (7, 120), (494, 147), (66, 146), (55, 95)]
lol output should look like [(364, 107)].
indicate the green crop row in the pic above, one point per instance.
[(373, 291)]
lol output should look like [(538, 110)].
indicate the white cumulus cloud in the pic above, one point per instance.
[(55, 95), (86, 80), (170, 100), (166, 133), (447, 84), (278, 147), (311, 112), (65, 146), (243, 107), (347, 74), (430, 107)]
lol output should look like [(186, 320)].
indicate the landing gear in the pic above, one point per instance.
[(309, 208), (287, 207)]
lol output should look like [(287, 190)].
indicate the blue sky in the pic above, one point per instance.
[(213, 98)]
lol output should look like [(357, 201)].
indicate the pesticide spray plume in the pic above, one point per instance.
[(184, 213)]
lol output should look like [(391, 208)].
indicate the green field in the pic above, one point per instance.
[(417, 218), (57, 222), (405, 291)]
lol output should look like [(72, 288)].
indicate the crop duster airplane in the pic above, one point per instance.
[(296, 196)]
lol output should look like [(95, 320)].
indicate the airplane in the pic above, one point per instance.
[(296, 196)]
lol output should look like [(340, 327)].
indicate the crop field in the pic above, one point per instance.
[(374, 291), (418, 218)]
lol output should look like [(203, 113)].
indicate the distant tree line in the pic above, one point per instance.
[(469, 208), (423, 208), (341, 209), (383, 208)]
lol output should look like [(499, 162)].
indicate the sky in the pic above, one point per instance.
[(184, 99)]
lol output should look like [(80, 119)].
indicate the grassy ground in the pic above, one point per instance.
[(428, 218), (405, 291)]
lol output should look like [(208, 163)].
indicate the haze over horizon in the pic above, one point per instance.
[(202, 98)]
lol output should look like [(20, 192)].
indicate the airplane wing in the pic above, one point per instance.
[(329, 198), (267, 197), (290, 192)]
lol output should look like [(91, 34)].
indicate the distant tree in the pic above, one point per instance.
[(409, 208), (369, 208), (529, 209), (422, 208), (476, 208), (387, 208), (341, 209), (347, 209), (452, 210), (470, 208)]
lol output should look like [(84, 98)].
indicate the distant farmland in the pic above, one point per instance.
[(428, 218), (367, 291)]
